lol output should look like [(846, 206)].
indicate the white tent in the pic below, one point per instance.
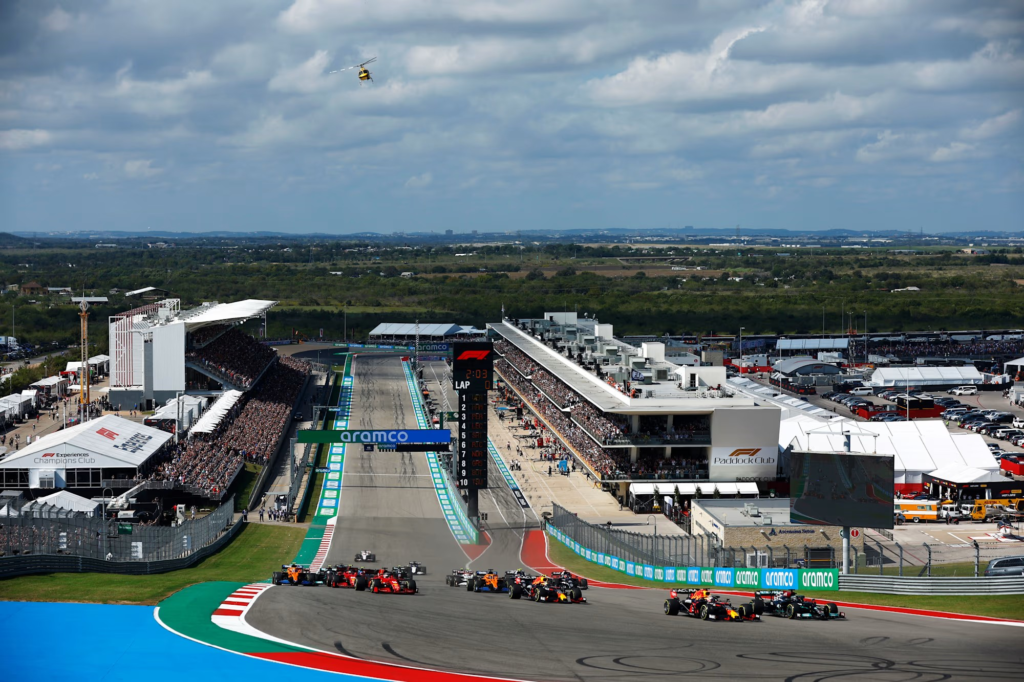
[(918, 447), (924, 376), (216, 413), (75, 456), (67, 500)]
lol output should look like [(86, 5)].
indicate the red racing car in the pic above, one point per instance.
[(392, 581), (347, 576)]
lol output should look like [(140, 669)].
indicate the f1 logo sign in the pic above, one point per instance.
[(473, 355), (107, 433), (49, 454), (744, 452)]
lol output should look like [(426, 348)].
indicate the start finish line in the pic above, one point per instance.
[(393, 437)]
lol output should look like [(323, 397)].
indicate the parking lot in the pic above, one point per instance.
[(986, 400)]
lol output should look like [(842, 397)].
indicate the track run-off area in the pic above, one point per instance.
[(390, 503)]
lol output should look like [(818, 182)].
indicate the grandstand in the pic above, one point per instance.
[(158, 351), (628, 414)]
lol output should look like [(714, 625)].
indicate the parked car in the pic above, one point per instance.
[(1008, 433), (963, 390), (1018, 422), (1008, 565), (862, 390)]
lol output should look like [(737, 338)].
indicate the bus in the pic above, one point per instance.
[(917, 510)]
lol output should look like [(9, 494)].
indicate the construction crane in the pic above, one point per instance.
[(83, 368)]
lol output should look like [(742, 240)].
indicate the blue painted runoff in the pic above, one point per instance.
[(104, 643)]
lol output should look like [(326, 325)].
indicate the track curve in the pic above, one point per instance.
[(388, 506)]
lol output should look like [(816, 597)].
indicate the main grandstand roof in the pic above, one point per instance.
[(221, 313), (109, 441), (812, 344)]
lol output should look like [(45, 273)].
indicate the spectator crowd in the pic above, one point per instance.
[(609, 464), (237, 357), (250, 432)]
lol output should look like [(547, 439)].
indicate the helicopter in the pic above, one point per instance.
[(364, 73)]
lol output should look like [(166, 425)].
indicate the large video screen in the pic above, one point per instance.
[(829, 489)]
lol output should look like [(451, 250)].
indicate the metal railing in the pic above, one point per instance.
[(951, 586), (643, 548), (82, 535)]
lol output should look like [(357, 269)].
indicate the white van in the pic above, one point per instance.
[(862, 390), (963, 390)]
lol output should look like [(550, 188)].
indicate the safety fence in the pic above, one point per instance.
[(697, 560), (299, 464), (951, 586), (63, 563), (85, 536)]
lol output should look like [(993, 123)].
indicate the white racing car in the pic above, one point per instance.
[(416, 568), (366, 556), (459, 577)]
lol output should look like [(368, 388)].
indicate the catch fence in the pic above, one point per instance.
[(58, 532)]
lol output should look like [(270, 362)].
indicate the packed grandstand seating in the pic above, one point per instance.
[(250, 432), (610, 464), (203, 336), (910, 348), (555, 388), (237, 357), (516, 357)]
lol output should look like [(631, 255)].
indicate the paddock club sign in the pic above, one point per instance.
[(734, 463), (825, 579), (393, 437)]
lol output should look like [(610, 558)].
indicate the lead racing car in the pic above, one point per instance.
[(789, 604), (700, 603), (545, 589), (366, 556)]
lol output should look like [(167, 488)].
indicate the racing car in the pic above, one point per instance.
[(700, 603), (346, 576), (489, 581), (789, 604), (393, 581), (416, 568), (366, 556), (569, 580), (458, 577), (295, 574), (545, 589)]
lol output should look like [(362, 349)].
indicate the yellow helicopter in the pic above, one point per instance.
[(364, 73)]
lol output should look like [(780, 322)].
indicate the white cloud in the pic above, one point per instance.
[(58, 20), (419, 181), (141, 168), (305, 78), (993, 127), (954, 151), (15, 140), (168, 97)]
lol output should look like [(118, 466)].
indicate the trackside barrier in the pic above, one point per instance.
[(29, 564), (820, 579), (335, 385), (885, 584)]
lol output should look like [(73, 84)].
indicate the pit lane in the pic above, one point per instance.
[(388, 506)]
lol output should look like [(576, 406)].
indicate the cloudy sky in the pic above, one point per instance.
[(511, 114)]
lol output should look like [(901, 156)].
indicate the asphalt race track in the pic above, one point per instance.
[(388, 506)]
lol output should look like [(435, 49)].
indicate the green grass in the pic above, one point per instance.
[(243, 486), (1001, 606), (251, 556)]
